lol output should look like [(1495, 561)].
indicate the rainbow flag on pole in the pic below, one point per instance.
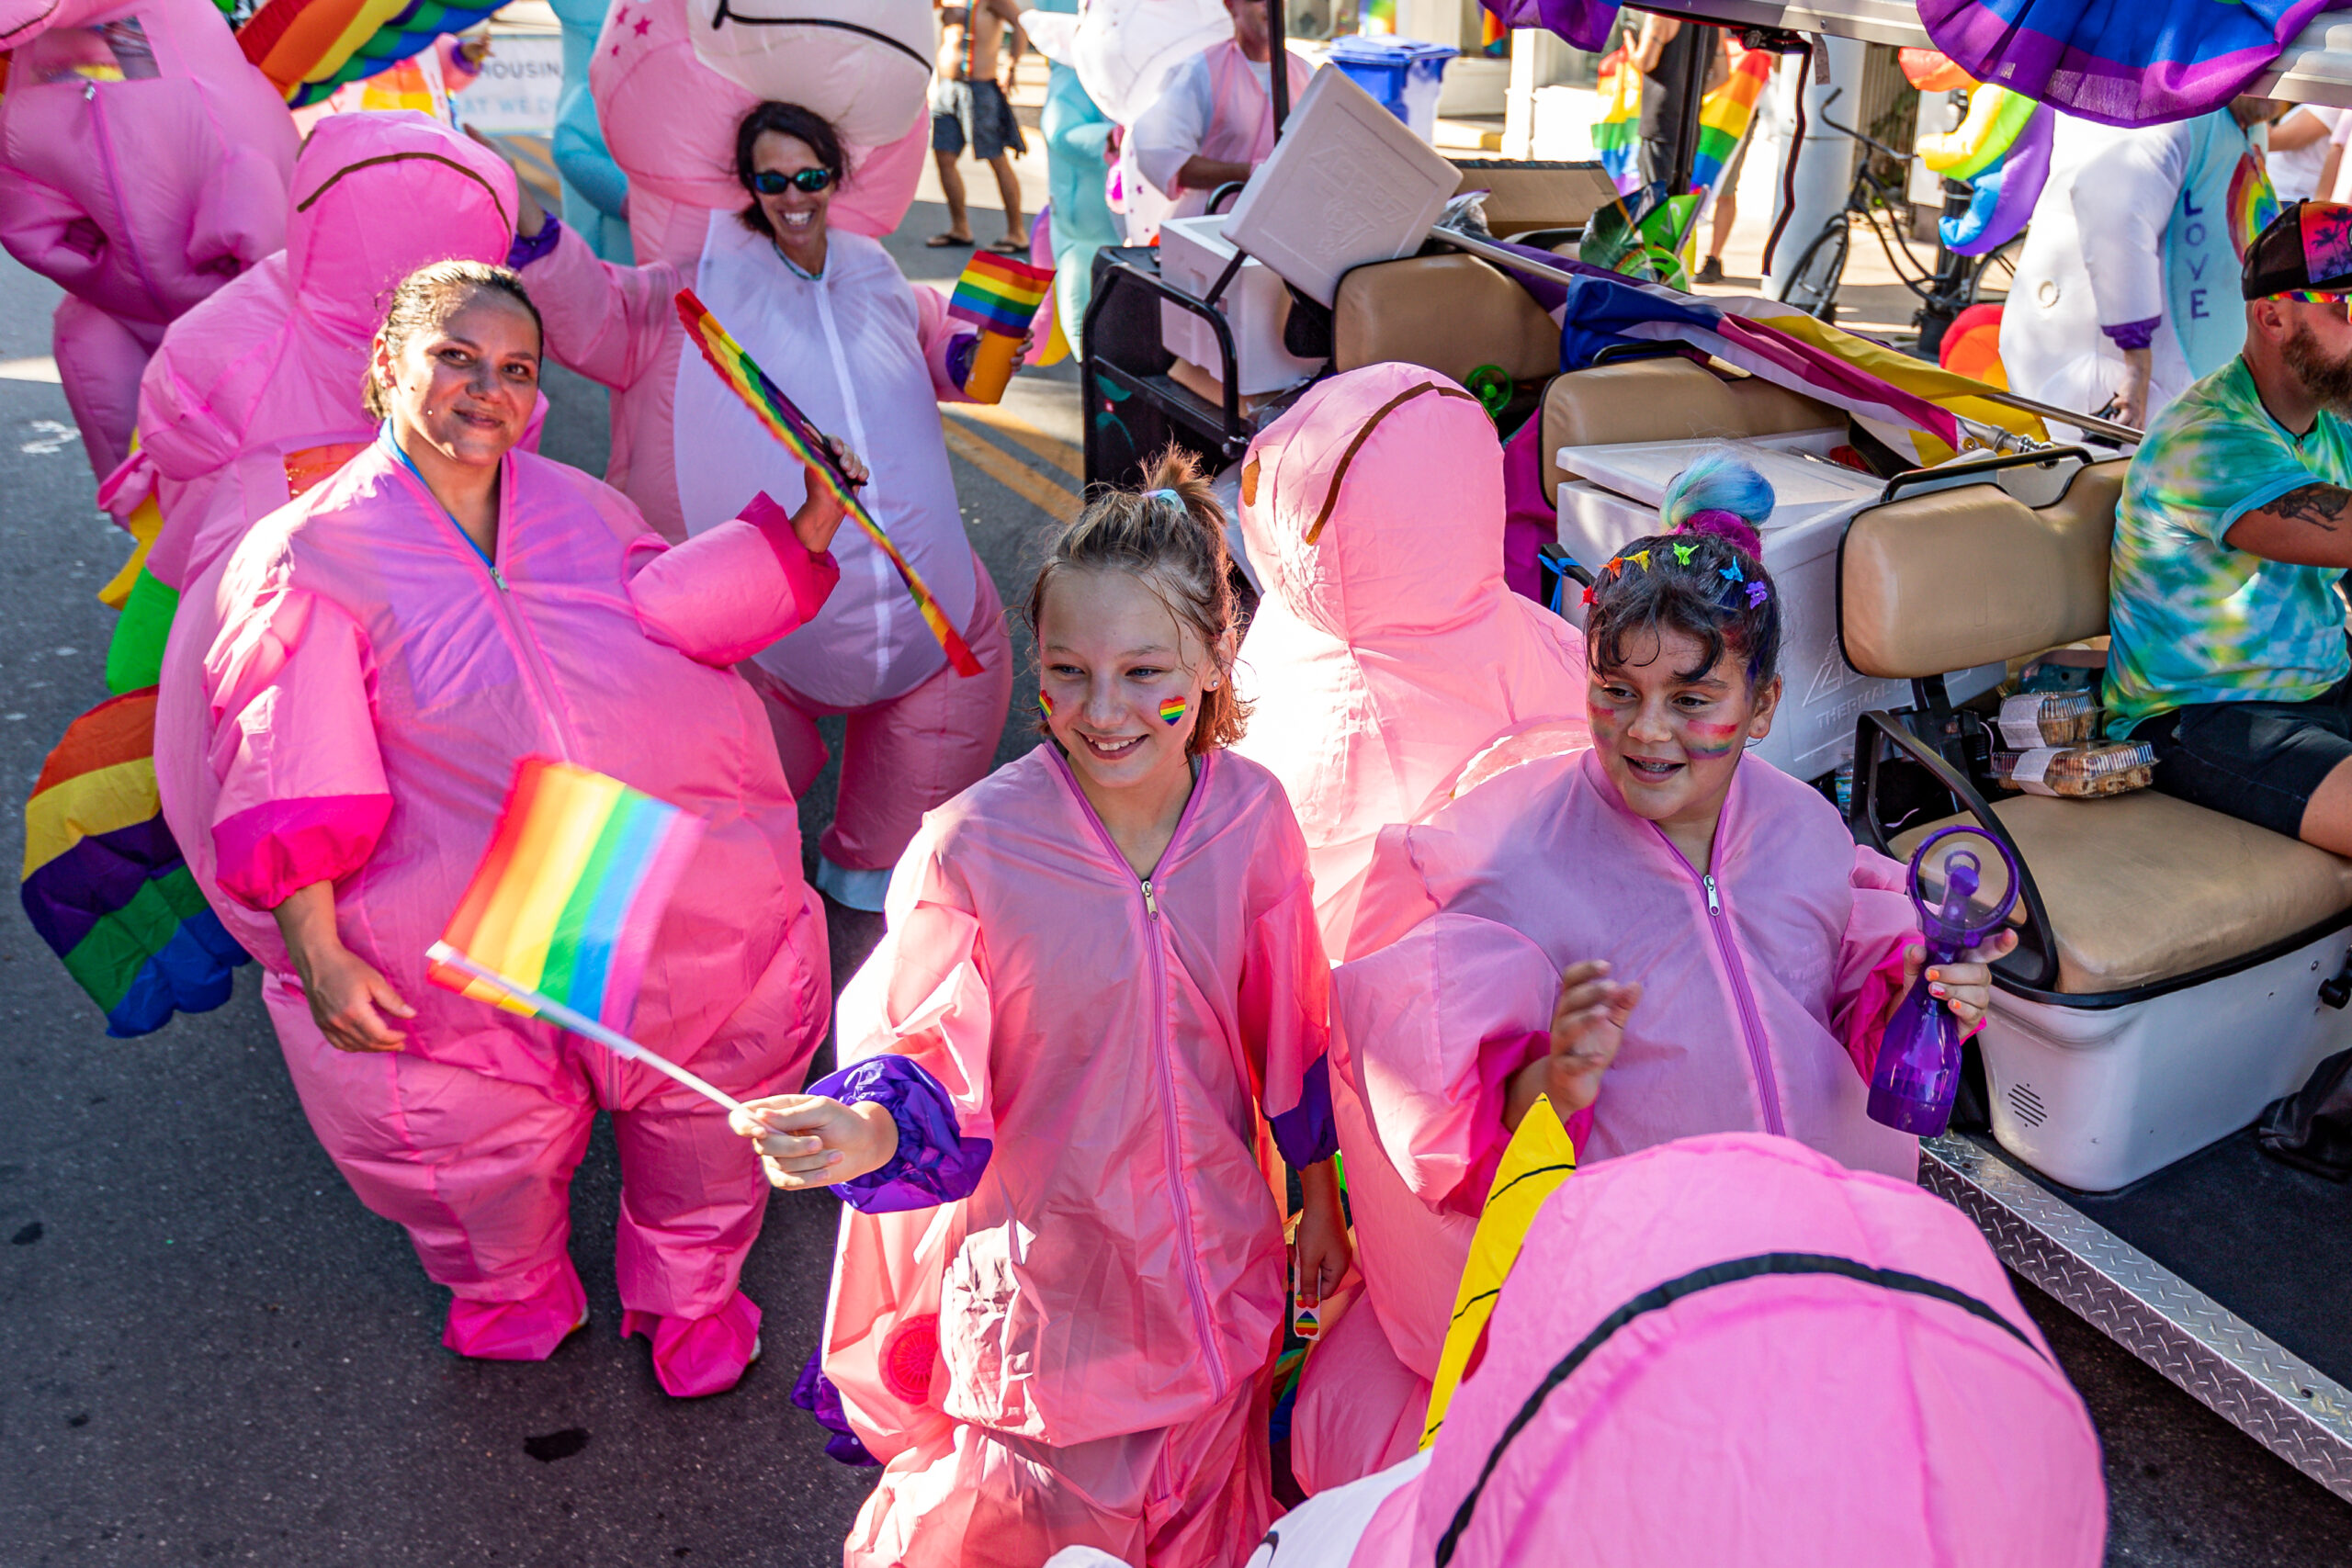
[(561, 912), (1724, 114), (564, 904), (999, 294), (105, 882), (800, 438), (1617, 135)]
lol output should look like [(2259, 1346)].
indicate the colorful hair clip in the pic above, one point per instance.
[(1642, 557), (1589, 595), (1683, 552), (1614, 563), (1757, 595), (1732, 574), (1168, 495)]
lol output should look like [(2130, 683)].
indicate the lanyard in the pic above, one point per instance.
[(391, 444)]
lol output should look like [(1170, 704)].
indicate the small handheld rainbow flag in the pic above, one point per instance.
[(999, 294), (1617, 135), (800, 438), (1724, 114), (561, 914)]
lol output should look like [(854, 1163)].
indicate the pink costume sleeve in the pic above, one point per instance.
[(1437, 1024), (727, 593), (1285, 1014), (1869, 959), (607, 322), (925, 995), (304, 799), (240, 214), (49, 232), (939, 334)]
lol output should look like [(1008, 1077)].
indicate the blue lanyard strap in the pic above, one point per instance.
[(385, 438)]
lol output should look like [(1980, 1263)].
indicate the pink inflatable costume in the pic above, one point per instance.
[(144, 163), (257, 393), (1053, 1312), (1730, 1350), (345, 700), (1767, 978)]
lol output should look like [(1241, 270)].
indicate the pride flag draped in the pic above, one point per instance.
[(1913, 407), (1724, 114), (308, 48), (2140, 63), (105, 884), (999, 294), (561, 915), (2001, 150), (790, 426)]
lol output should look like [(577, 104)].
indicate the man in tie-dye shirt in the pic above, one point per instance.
[(2234, 527)]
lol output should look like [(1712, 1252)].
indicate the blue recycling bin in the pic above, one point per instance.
[(1404, 73)]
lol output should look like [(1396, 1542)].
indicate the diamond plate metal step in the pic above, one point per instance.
[(2242, 1374)]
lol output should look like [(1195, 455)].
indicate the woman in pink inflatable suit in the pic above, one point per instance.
[(1756, 951), (256, 394), (1730, 1349), (144, 163), (829, 317), (358, 682), (1386, 655)]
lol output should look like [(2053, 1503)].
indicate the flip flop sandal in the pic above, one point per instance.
[(947, 241)]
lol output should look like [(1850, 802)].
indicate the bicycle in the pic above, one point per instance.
[(1953, 283)]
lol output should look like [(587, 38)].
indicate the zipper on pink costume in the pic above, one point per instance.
[(1751, 1022), (534, 663), (114, 183), (1164, 1049)]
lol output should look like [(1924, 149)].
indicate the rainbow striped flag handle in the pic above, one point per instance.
[(791, 427), (523, 998)]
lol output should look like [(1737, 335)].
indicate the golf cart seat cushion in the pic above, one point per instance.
[(1666, 400), (2142, 888), (1969, 576), (1450, 314)]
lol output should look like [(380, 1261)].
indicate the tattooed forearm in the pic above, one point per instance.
[(2322, 506)]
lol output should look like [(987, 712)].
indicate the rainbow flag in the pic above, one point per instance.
[(568, 896), (2252, 203), (106, 884), (1724, 114), (1617, 135), (800, 438), (1000, 293), (308, 48)]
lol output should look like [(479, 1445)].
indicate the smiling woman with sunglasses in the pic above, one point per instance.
[(867, 358)]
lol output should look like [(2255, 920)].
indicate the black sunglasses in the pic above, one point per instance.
[(767, 182)]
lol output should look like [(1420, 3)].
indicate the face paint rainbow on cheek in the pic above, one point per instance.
[(1173, 709), (1709, 742), (1044, 704)]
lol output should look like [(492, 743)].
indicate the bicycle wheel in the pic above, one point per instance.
[(1813, 283)]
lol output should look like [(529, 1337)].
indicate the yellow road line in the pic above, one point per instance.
[(1056, 501), (1055, 450)]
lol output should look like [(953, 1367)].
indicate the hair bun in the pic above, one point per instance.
[(1728, 526)]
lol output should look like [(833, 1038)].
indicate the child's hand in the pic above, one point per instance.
[(1966, 986), (806, 1141), (1319, 1251), (1588, 1026), (820, 514)]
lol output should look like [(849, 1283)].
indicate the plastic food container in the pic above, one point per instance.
[(1403, 74), (2080, 772), (2033, 719)]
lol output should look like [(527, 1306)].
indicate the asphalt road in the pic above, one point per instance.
[(210, 1353)]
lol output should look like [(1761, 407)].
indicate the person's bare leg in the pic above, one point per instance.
[(951, 184), (1726, 214), (1008, 188), (2327, 815)]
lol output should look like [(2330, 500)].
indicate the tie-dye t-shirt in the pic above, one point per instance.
[(2194, 620)]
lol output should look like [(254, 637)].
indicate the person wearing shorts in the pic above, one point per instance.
[(969, 107), (2232, 536)]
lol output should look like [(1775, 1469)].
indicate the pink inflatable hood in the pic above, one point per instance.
[(669, 121), (1732, 1349)]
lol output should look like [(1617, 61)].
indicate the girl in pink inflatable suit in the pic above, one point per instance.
[(256, 394), (380, 656), (1386, 655), (828, 316), (1094, 1027), (144, 163), (1764, 950)]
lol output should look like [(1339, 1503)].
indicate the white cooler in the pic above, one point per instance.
[(1192, 252), (1614, 502)]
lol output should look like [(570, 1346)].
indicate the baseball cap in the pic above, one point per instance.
[(2309, 245)]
